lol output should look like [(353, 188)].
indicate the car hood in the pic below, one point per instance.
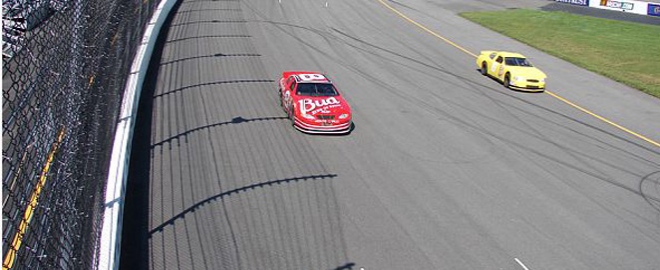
[(528, 72), (322, 105)]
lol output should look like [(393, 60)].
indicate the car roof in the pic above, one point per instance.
[(511, 54), (311, 78)]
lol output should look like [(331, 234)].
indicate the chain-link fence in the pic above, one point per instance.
[(65, 64)]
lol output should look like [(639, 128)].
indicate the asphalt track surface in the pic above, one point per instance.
[(445, 169)]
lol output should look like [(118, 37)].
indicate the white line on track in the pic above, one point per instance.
[(521, 263)]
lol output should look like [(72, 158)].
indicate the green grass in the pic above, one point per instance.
[(626, 52)]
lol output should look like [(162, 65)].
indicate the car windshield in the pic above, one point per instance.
[(316, 89), (517, 61)]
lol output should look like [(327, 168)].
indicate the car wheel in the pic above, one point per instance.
[(506, 81), (291, 117), (282, 103), (484, 69)]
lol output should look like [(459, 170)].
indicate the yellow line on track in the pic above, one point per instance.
[(603, 119), (17, 241), (546, 91), (426, 29)]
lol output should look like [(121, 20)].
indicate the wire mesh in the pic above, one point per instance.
[(65, 64)]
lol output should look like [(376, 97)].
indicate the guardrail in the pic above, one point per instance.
[(115, 193)]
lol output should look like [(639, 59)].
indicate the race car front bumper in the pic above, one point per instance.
[(528, 85), (324, 127), (527, 88)]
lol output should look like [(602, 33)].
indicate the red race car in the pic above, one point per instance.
[(313, 103)]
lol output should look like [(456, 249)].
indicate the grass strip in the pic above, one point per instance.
[(624, 51)]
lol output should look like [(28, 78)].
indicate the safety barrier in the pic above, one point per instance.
[(116, 185)]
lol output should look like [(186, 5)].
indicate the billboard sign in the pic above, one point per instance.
[(575, 2), (617, 4), (654, 10)]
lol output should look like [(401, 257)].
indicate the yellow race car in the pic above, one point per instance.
[(512, 69)]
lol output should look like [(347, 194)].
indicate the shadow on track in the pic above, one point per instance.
[(234, 191), (196, 205)]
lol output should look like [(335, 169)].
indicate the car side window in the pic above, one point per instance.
[(293, 86), (289, 81), (500, 59), (492, 55)]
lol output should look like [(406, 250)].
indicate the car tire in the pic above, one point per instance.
[(507, 81), (484, 69), (291, 116), (281, 99)]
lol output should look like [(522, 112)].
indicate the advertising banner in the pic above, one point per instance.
[(575, 2), (654, 10), (617, 4)]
